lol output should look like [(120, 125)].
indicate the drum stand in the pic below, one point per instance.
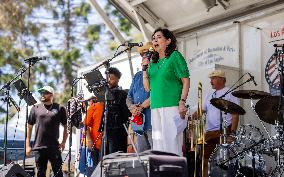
[(223, 150), (279, 169), (252, 105), (223, 130)]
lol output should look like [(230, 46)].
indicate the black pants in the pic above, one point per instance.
[(42, 156), (116, 140)]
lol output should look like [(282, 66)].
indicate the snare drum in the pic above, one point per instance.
[(247, 135)]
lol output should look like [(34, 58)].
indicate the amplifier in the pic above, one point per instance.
[(13, 170), (154, 164)]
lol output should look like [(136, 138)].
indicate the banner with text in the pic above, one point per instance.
[(216, 48)]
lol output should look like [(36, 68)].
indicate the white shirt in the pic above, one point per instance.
[(213, 113)]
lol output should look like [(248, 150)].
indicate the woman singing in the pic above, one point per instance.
[(167, 79)]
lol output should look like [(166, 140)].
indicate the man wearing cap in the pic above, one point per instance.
[(138, 102), (47, 116), (212, 136)]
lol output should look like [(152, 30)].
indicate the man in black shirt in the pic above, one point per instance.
[(117, 115), (47, 116)]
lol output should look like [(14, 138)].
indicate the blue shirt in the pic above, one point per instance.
[(138, 95)]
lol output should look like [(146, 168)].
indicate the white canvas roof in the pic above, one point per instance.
[(186, 15)]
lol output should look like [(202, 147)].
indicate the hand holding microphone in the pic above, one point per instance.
[(146, 60)]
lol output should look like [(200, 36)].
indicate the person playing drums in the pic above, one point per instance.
[(212, 136)]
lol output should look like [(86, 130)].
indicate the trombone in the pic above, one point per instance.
[(200, 134)]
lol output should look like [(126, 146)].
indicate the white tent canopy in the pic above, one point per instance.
[(186, 15)]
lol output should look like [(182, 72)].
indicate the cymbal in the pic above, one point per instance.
[(250, 94), (267, 109), (227, 106)]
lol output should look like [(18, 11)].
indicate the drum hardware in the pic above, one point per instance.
[(241, 154), (252, 161), (261, 122), (220, 154), (224, 150), (253, 95), (277, 145)]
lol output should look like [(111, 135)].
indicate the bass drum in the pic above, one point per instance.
[(220, 154), (246, 167)]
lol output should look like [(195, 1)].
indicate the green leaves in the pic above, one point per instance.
[(93, 32), (83, 10), (59, 29)]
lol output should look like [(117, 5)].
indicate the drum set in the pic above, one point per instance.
[(244, 157)]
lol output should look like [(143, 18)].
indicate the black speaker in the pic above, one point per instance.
[(13, 170), (155, 164)]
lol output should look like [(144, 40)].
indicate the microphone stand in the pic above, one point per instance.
[(231, 89), (7, 99), (280, 62), (31, 63), (106, 64), (74, 82), (129, 60), (279, 57)]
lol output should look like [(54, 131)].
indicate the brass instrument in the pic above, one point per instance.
[(199, 133)]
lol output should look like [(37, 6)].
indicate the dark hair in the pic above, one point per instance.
[(170, 48), (115, 72)]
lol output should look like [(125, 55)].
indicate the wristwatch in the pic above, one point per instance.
[(183, 100)]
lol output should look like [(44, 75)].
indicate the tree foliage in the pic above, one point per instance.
[(64, 30)]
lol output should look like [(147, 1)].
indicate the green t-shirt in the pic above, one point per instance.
[(165, 80)]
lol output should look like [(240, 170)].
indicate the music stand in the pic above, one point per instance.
[(96, 84), (24, 93)]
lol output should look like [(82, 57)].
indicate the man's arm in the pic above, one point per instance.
[(28, 139), (145, 103), (65, 136), (131, 106), (235, 122)]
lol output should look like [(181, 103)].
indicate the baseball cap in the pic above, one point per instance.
[(46, 88), (144, 47), (217, 73)]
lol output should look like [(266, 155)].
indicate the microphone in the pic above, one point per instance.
[(149, 54), (252, 79), (132, 44), (34, 59), (278, 45)]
